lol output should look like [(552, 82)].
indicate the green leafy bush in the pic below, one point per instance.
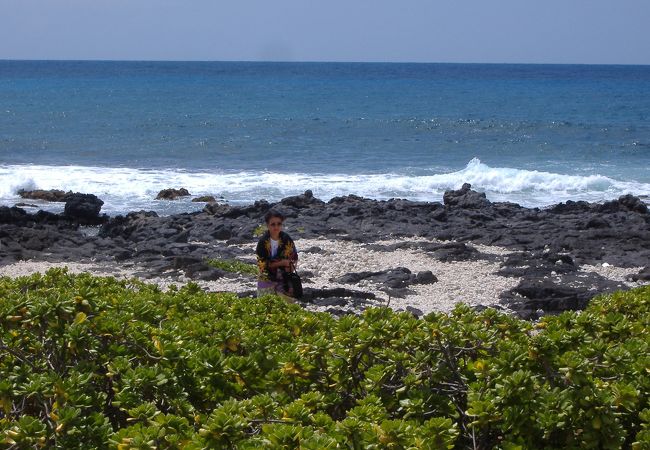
[(259, 230), (89, 362), (232, 265)]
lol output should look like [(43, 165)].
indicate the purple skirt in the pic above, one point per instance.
[(270, 288)]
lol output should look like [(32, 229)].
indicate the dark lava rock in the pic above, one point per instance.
[(625, 203), (415, 311), (534, 297), (337, 297), (127, 227), (536, 265), (425, 277), (172, 194), (217, 209), (311, 295), (204, 198), (597, 222), (302, 201), (465, 197), (570, 207), (202, 271), (643, 275), (13, 215), (52, 195), (222, 233), (329, 301), (397, 278), (313, 249), (455, 251), (181, 262), (83, 208), (338, 312)]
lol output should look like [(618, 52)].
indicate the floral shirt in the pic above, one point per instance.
[(286, 250)]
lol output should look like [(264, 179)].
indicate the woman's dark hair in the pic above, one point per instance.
[(271, 214)]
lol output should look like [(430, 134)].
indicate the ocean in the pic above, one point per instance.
[(243, 131)]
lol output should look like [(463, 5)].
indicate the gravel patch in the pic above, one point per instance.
[(322, 261)]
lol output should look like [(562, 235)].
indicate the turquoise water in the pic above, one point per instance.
[(532, 134)]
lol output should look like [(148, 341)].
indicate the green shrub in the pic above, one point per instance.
[(232, 265), (89, 362), (259, 230)]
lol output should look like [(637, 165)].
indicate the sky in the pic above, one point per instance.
[(472, 31)]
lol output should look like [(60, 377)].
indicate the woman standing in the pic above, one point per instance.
[(276, 253)]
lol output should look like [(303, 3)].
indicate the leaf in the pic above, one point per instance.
[(80, 318), (232, 344), (157, 344)]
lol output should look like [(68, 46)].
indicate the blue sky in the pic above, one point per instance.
[(511, 31)]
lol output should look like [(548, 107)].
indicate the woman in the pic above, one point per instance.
[(276, 253)]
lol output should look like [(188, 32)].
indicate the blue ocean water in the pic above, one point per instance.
[(531, 134)]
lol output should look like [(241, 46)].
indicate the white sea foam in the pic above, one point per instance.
[(125, 189)]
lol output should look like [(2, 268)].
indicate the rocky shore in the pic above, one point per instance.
[(355, 252)]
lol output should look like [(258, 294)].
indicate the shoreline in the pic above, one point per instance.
[(473, 283), (356, 252)]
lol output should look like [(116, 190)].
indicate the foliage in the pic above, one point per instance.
[(232, 265), (89, 362), (259, 230)]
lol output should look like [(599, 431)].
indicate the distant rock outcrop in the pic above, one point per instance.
[(204, 198), (172, 194), (51, 195)]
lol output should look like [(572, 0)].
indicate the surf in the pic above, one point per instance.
[(124, 189)]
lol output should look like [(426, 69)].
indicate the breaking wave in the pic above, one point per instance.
[(127, 189)]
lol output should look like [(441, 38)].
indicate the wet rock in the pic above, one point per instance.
[(172, 194), (51, 195), (204, 198)]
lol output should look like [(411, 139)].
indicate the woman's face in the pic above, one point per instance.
[(275, 226)]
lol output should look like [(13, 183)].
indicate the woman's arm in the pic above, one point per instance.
[(279, 263)]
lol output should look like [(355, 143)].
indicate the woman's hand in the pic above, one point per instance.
[(280, 263)]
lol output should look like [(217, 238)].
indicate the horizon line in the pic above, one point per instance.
[(314, 62)]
